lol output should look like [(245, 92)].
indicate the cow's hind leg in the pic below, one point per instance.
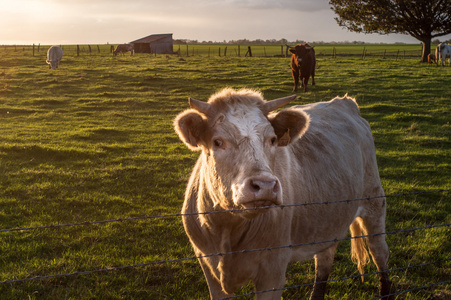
[(373, 225), (323, 266)]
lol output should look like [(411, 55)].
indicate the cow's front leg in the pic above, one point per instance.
[(304, 83), (270, 291), (323, 266), (295, 79), (271, 280), (214, 286)]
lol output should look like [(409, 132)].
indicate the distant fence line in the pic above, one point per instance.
[(224, 50)]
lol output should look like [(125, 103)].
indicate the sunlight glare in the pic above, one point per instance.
[(27, 8)]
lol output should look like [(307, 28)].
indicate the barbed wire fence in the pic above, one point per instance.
[(178, 260), (231, 50)]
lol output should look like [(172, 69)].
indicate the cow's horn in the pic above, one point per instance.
[(200, 106), (278, 103)]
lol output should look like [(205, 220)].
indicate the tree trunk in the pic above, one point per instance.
[(426, 49)]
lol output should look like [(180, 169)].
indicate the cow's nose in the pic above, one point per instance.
[(261, 189)]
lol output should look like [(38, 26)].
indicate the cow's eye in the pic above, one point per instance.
[(218, 142), (273, 141)]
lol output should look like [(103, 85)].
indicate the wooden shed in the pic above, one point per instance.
[(154, 43)]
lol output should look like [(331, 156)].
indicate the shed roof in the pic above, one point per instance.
[(153, 38)]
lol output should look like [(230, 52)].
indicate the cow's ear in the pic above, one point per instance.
[(190, 126), (293, 51), (288, 125)]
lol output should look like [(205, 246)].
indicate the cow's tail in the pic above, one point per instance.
[(359, 253)]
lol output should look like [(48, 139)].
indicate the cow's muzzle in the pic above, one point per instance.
[(259, 192)]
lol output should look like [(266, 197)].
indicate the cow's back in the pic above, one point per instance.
[(337, 146), (55, 53)]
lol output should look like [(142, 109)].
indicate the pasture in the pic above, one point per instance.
[(93, 141)]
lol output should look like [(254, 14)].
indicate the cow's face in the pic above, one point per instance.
[(300, 52), (240, 144), (53, 64)]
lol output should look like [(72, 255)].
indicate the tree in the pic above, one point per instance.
[(421, 19)]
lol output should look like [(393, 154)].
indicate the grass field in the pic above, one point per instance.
[(93, 141)]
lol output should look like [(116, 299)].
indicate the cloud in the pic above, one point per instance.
[(298, 5)]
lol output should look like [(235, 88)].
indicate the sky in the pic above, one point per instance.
[(121, 21)]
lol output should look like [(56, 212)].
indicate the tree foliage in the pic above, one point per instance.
[(421, 19)]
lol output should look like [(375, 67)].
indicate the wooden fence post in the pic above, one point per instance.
[(281, 50), (219, 51), (239, 50), (89, 47), (249, 51), (98, 48), (187, 53), (78, 50), (33, 49), (225, 51)]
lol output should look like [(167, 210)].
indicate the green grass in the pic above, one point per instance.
[(93, 141)]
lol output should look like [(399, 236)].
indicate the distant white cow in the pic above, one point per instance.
[(54, 55), (442, 52), (124, 48)]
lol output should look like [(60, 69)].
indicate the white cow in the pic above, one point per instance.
[(54, 55), (251, 158), (442, 52), (122, 48)]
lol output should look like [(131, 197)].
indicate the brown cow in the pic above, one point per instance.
[(303, 64), (251, 158)]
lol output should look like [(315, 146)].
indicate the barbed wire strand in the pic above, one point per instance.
[(342, 279), (222, 254), (51, 226), (413, 289)]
